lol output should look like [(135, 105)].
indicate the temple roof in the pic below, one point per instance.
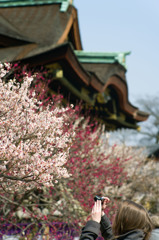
[(32, 24), (47, 32), (90, 75)]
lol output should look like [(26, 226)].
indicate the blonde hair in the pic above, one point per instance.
[(131, 216), (155, 221)]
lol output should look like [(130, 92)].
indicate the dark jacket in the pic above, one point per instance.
[(92, 230)]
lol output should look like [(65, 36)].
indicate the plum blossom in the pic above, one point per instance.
[(33, 145)]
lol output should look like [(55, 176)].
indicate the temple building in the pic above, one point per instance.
[(46, 32)]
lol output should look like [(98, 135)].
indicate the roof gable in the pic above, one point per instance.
[(43, 24)]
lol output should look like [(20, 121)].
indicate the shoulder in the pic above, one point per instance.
[(132, 235), (92, 227)]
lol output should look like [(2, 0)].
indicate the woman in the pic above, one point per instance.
[(131, 222)]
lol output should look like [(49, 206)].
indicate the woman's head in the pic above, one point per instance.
[(131, 216)]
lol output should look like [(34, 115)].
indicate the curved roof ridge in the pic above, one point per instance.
[(102, 57), (15, 3)]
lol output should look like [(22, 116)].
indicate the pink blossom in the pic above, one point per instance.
[(33, 147)]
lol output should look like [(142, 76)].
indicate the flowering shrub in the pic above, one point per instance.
[(33, 146), (42, 142)]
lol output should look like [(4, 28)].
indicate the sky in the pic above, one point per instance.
[(123, 26)]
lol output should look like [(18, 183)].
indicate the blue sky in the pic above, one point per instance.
[(121, 26)]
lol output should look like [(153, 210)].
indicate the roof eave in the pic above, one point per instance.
[(65, 53)]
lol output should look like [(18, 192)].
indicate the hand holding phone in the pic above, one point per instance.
[(105, 202)]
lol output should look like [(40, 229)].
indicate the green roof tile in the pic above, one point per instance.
[(102, 57), (20, 3)]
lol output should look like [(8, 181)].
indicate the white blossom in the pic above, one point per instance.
[(33, 147)]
